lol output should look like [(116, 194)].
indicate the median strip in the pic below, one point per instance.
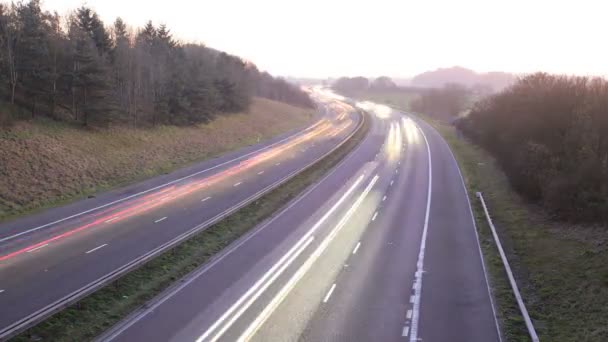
[(100, 310)]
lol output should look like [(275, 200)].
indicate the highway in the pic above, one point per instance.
[(58, 255), (383, 248)]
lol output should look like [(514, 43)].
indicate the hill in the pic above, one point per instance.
[(438, 78)]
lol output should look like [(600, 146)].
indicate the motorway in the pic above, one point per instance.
[(383, 248), (52, 257)]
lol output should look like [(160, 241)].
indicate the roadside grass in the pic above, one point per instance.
[(561, 269), (101, 310), (45, 163)]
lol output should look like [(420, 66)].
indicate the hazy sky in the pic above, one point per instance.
[(320, 38)]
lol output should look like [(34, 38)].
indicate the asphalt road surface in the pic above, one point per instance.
[(46, 257), (383, 248)]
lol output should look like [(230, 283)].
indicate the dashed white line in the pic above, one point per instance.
[(384, 198), (406, 331), (374, 217), (37, 248), (392, 183), (96, 248), (112, 219), (261, 172), (333, 287), (412, 298), (206, 198), (277, 164), (160, 219), (237, 184), (408, 315), (357, 247), (396, 170), (1, 291)]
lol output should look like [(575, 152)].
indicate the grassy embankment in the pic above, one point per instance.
[(561, 269), (45, 163), (99, 311)]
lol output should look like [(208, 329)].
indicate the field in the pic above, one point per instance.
[(45, 163)]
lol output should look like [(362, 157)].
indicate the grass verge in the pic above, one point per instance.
[(104, 308), (561, 269)]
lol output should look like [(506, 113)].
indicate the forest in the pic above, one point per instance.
[(550, 135), (78, 69)]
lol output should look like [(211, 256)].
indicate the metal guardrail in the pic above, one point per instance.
[(520, 302), (43, 313)]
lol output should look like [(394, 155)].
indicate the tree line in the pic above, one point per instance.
[(76, 68), (550, 135), (445, 103), (349, 85)]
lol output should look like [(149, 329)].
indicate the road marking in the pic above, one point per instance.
[(277, 164), (333, 287), (206, 198), (278, 298), (384, 198), (406, 331), (37, 248), (112, 219), (261, 172), (396, 170), (420, 264), (374, 217), (357, 247), (408, 315), (412, 298), (1, 291), (160, 219), (298, 247), (392, 183), (96, 248), (237, 184)]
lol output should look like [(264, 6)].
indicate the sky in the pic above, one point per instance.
[(331, 38)]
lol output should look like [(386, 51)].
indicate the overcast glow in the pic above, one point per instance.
[(398, 38)]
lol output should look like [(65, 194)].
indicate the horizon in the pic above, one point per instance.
[(318, 40)]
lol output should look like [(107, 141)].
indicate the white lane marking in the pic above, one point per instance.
[(396, 170), (261, 172), (1, 291), (268, 274), (392, 183), (278, 298), (408, 315), (412, 298), (206, 198), (420, 263), (374, 217), (156, 187), (406, 331), (331, 290), (96, 248), (221, 256), (384, 198), (160, 219), (37, 248), (357, 247), (112, 219), (277, 164), (237, 184)]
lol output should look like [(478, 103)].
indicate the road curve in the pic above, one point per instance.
[(384, 248), (50, 256)]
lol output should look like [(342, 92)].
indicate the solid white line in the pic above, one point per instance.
[(384, 198), (160, 219), (96, 248), (154, 188), (37, 248), (206, 198), (278, 298), (237, 184), (374, 217), (112, 219), (268, 274), (261, 172), (333, 287), (408, 315), (420, 263), (357, 247), (406, 331)]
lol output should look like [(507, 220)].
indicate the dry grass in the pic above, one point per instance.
[(45, 163)]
